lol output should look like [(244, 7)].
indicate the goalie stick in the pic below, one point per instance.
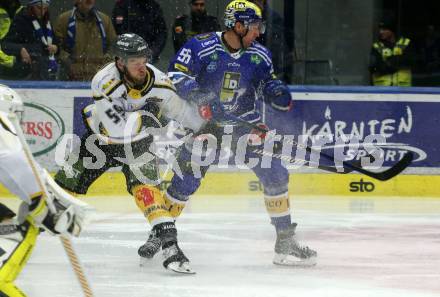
[(67, 244), (348, 166)]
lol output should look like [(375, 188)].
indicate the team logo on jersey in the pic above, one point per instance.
[(214, 57), (212, 67), (231, 82), (255, 59)]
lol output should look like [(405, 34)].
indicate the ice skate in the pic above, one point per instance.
[(289, 252), (175, 260), (150, 248), (165, 235)]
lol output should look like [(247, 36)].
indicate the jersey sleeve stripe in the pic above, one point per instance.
[(263, 53), (109, 92), (97, 98), (209, 49), (210, 52)]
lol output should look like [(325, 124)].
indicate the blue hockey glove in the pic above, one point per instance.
[(209, 106), (277, 93)]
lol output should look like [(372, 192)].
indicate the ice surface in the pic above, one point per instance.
[(366, 247)]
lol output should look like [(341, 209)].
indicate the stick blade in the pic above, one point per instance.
[(396, 169)]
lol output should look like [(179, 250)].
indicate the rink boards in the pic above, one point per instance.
[(408, 117), (231, 184)]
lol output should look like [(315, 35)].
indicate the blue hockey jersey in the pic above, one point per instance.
[(237, 78)]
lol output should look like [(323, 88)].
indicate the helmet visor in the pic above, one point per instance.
[(258, 25)]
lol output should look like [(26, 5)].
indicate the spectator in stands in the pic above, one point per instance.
[(8, 9), (31, 40), (275, 40), (145, 18), (430, 50), (198, 22), (86, 36), (391, 58)]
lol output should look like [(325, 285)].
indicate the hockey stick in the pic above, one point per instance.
[(291, 159), (351, 166), (67, 244)]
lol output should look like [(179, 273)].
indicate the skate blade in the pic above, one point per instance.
[(145, 261), (287, 260), (182, 268)]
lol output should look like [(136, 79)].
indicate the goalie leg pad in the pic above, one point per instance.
[(16, 244), (10, 290), (150, 200)]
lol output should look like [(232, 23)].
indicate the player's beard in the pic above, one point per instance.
[(138, 80)]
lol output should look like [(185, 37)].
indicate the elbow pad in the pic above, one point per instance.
[(277, 94)]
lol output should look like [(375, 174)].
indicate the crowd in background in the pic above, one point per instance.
[(75, 44)]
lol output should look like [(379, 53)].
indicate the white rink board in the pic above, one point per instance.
[(52, 109)]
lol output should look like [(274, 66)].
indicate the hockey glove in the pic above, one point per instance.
[(277, 94), (257, 136), (208, 104)]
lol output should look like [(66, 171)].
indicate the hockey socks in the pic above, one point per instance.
[(278, 208), (150, 200)]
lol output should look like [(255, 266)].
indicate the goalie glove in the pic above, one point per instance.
[(71, 214)]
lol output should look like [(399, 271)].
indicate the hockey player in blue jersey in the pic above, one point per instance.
[(233, 70)]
